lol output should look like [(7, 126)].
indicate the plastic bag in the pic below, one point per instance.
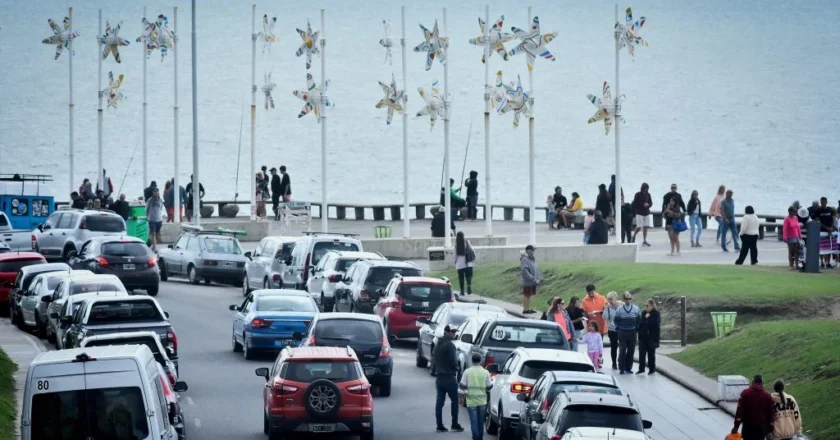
[(733, 436)]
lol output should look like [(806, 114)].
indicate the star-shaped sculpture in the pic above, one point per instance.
[(533, 43), (111, 41), (267, 35), (157, 36), (113, 91), (309, 45), (497, 92), (497, 38), (516, 101), (387, 42), (434, 104), (61, 37), (267, 88), (628, 33), (148, 37), (394, 99), (433, 46), (311, 98), (606, 107)]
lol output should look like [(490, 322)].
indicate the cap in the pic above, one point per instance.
[(448, 329), (530, 247), (673, 186), (758, 378)]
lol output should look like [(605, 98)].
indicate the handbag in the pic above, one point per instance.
[(470, 254), (679, 225)]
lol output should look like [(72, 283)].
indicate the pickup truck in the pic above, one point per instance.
[(499, 336), (15, 239), (120, 314)]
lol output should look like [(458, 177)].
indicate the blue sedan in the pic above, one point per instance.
[(268, 320)]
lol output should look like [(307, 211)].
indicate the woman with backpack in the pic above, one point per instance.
[(464, 261)]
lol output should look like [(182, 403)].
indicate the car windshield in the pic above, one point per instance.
[(310, 371), (534, 369), (426, 293), (285, 304), (116, 413), (222, 246), (381, 276), (322, 247), (104, 223), (514, 335), (598, 416), (124, 311), (89, 286), (351, 330), (13, 266), (125, 249), (52, 282), (458, 316)]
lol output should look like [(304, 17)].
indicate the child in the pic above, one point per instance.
[(590, 217), (594, 345), (550, 215)]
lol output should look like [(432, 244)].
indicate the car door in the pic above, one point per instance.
[(239, 319), (48, 242), (291, 274), (502, 379), (64, 230), (255, 268), (427, 333), (177, 255), (314, 284), (68, 334), (191, 253), (29, 301), (55, 304), (531, 407)]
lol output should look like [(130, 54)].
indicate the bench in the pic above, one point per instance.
[(295, 213)]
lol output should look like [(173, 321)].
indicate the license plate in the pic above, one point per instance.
[(321, 427), (425, 304), (128, 267), (370, 371), (285, 343)]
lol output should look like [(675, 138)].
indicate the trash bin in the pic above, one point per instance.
[(382, 231), (137, 225), (724, 322)]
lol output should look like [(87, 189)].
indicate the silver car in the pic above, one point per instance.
[(204, 255), (329, 271), (266, 265), (68, 229), (33, 308), (77, 285)]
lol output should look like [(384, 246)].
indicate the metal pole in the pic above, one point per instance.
[(145, 105), (406, 222), (617, 120), (176, 189), (683, 328), (196, 183), (100, 181), (488, 205), (71, 104), (531, 206), (446, 106), (253, 112), (325, 209)]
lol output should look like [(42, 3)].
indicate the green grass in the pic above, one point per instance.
[(8, 410), (802, 353)]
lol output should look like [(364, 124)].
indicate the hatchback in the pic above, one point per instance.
[(329, 271), (204, 255), (127, 258), (268, 319), (67, 230), (359, 288), (407, 300), (10, 264), (266, 265)]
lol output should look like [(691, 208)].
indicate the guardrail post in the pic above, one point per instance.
[(419, 212), (378, 213), (526, 214), (683, 327), (508, 214), (395, 212)]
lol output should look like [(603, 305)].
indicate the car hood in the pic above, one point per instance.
[(606, 434)]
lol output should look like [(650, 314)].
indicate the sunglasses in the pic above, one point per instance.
[(628, 299)]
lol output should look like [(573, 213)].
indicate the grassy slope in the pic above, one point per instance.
[(7, 397), (799, 352)]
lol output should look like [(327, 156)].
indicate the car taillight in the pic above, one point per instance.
[(173, 341), (489, 360), (34, 243), (260, 323), (386, 349), (101, 261), (556, 437), (282, 390), (332, 278), (152, 261), (360, 389), (363, 294), (306, 268), (83, 224), (211, 263), (520, 387), (171, 378)]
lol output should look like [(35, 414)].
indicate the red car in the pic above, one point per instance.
[(407, 298), (10, 264), (319, 390)]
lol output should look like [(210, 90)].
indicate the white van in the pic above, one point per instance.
[(309, 250), (112, 392)]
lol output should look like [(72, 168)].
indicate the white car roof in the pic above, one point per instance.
[(282, 238), (94, 295), (140, 352), (66, 274), (349, 255), (126, 335), (553, 354), (94, 277), (604, 434)]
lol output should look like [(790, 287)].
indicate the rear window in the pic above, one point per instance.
[(309, 371), (351, 330), (596, 416), (124, 311), (104, 223), (285, 304), (148, 342), (535, 369), (557, 388), (125, 249), (13, 266), (322, 247), (79, 287), (94, 413), (427, 293), (515, 335), (381, 276), (222, 246), (343, 265)]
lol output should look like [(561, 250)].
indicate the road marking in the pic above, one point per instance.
[(197, 422), (189, 400)]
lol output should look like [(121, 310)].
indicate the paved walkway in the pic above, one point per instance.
[(21, 349)]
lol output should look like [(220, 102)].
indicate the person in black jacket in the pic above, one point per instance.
[(439, 222), (276, 190), (671, 194), (472, 196), (599, 230), (150, 191), (285, 185), (694, 211), (648, 337), (121, 207), (626, 223), (446, 383)]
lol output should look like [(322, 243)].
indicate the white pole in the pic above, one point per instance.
[(176, 189), (488, 206), (71, 104), (617, 121), (406, 222), (145, 148), (531, 206), (253, 168), (446, 107), (325, 209), (100, 181), (196, 183)]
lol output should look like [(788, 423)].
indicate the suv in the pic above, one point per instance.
[(308, 252), (593, 415), (358, 290), (329, 271), (517, 376), (211, 256), (316, 390), (67, 230), (20, 288), (265, 267), (127, 258), (408, 300), (10, 265)]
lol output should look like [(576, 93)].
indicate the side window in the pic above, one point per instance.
[(54, 220), (506, 368), (323, 263), (480, 333), (437, 315), (193, 245), (362, 272), (277, 363), (80, 313), (245, 304), (539, 389), (85, 248), (181, 243), (36, 285), (57, 291), (19, 280), (68, 221), (163, 419), (285, 251), (348, 277), (554, 413)]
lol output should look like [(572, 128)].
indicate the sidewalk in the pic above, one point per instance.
[(21, 348)]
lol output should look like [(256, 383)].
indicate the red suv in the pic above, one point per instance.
[(408, 298), (316, 390), (10, 264)]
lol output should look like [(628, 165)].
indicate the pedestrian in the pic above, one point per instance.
[(191, 195), (169, 201), (649, 331), (641, 208), (610, 309), (446, 367), (715, 212), (673, 194), (787, 419), (464, 261), (727, 212), (560, 204), (550, 215), (694, 221), (121, 207), (97, 204), (594, 345), (627, 325), (574, 209), (557, 314), (604, 204), (672, 215), (530, 276), (107, 186), (154, 217), (148, 191), (599, 230), (749, 237), (827, 217), (476, 384), (261, 195), (792, 234), (472, 196), (276, 191), (83, 188), (87, 191), (626, 223), (577, 315), (439, 222), (78, 201), (593, 306), (755, 411), (285, 185), (590, 216), (611, 190)]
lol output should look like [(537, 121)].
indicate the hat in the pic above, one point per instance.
[(673, 186), (448, 329), (530, 247), (273, 169)]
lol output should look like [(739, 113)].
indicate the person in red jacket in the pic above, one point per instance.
[(755, 411)]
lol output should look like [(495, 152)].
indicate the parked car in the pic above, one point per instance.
[(266, 266), (127, 258), (453, 314), (357, 290), (405, 301), (204, 255), (517, 376), (126, 377), (316, 390), (32, 308), (67, 230), (268, 319), (13, 239), (463, 350), (149, 339), (308, 252), (498, 337), (56, 329), (77, 285), (363, 333), (328, 272), (23, 280), (593, 415), (176, 414), (10, 264), (4, 248)]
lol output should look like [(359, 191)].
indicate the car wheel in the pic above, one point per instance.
[(385, 388), (207, 281), (163, 275), (489, 425), (193, 277), (247, 353), (66, 254), (237, 347), (367, 435), (266, 284), (152, 290), (420, 361), (246, 288), (504, 427)]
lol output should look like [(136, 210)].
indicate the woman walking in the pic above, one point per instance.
[(577, 315), (464, 261), (749, 237), (714, 211), (610, 310), (694, 221), (648, 337), (530, 276), (558, 314), (604, 204), (787, 419), (673, 214), (792, 234)]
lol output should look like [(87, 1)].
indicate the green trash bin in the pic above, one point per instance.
[(724, 322), (137, 225), (382, 231)]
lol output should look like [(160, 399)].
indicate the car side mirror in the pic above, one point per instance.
[(538, 417), (647, 424), (262, 372), (287, 261), (41, 227), (493, 369), (424, 320), (522, 397), (66, 319), (467, 338), (171, 247), (234, 308), (297, 336), (180, 387), (46, 299), (166, 314), (248, 255), (53, 315), (45, 227)]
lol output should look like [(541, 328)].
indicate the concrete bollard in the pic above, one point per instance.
[(395, 213), (360, 213), (340, 212), (378, 213), (508, 214), (419, 212)]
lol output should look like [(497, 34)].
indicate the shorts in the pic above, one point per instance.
[(644, 221), (529, 291), (792, 240), (154, 227)]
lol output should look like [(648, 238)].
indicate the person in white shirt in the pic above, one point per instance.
[(749, 237)]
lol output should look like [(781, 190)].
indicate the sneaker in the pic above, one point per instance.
[(442, 429), (457, 428), (651, 372), (640, 372), (697, 244), (645, 244), (725, 249), (622, 372)]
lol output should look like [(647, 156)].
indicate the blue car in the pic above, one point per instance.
[(268, 320)]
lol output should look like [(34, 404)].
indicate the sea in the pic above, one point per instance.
[(740, 93)]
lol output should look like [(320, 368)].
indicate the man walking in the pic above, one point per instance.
[(727, 212), (641, 207), (285, 185), (190, 199), (147, 193), (670, 195), (627, 319), (276, 191), (446, 367), (475, 383), (755, 411), (154, 216), (593, 305)]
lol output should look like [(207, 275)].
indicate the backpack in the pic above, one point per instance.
[(469, 254)]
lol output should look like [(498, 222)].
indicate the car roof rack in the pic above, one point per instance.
[(349, 351), (221, 230), (340, 234), (445, 280)]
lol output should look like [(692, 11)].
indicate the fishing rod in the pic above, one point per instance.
[(239, 153), (465, 154), (129, 166)]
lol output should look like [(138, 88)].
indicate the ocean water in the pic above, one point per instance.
[(740, 93)]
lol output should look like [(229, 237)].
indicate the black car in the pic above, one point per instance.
[(364, 334), (358, 290), (22, 282), (128, 258)]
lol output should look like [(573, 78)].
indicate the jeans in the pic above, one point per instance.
[(750, 245), (695, 222), (626, 347), (719, 221), (613, 335), (730, 226), (446, 386), (647, 354), (468, 273), (585, 238), (550, 216), (477, 414), (472, 207)]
